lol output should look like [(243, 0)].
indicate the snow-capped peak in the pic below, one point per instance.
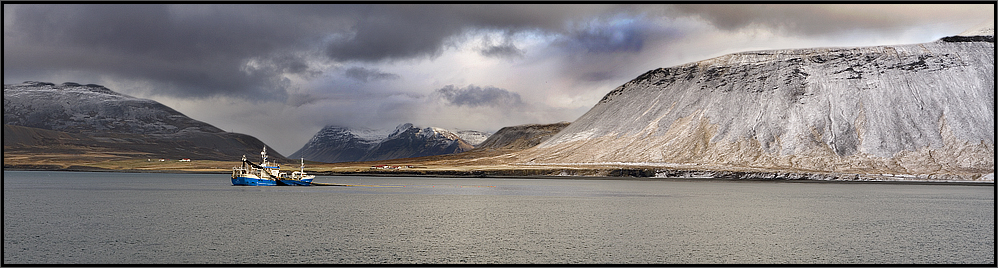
[(438, 132), (401, 128)]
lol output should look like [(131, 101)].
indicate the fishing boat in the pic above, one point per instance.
[(268, 174)]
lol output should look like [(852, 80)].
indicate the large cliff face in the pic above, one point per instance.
[(906, 109)]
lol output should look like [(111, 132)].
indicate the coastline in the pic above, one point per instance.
[(621, 173)]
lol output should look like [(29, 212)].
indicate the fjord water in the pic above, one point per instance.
[(109, 218)]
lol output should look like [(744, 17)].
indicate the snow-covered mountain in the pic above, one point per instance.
[(334, 144), (338, 144), (107, 121), (75, 108), (411, 141), (899, 109), (472, 137)]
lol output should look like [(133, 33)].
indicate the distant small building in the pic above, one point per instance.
[(389, 167)]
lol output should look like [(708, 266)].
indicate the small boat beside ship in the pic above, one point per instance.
[(268, 174)]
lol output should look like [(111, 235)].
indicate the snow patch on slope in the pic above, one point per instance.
[(473, 137)]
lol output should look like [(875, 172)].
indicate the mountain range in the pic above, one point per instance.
[(335, 144), (74, 119), (918, 110)]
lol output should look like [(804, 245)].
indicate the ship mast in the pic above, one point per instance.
[(263, 154)]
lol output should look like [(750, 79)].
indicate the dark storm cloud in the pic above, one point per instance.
[(394, 32), (197, 51), (295, 60), (787, 17), (193, 50), (605, 49), (611, 38), (621, 33), (206, 50), (474, 96), (812, 19), (290, 64), (366, 75)]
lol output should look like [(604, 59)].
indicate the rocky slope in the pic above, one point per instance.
[(901, 109), (335, 144), (521, 137), (44, 118)]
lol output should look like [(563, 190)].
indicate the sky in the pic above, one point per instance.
[(281, 72)]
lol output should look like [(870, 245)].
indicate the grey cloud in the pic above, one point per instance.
[(505, 49), (301, 99), (502, 51), (598, 76), (813, 19), (474, 96), (277, 65), (366, 75)]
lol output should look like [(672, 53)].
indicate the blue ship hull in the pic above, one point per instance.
[(247, 181), (296, 182)]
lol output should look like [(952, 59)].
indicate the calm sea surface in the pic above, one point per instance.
[(109, 218)]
